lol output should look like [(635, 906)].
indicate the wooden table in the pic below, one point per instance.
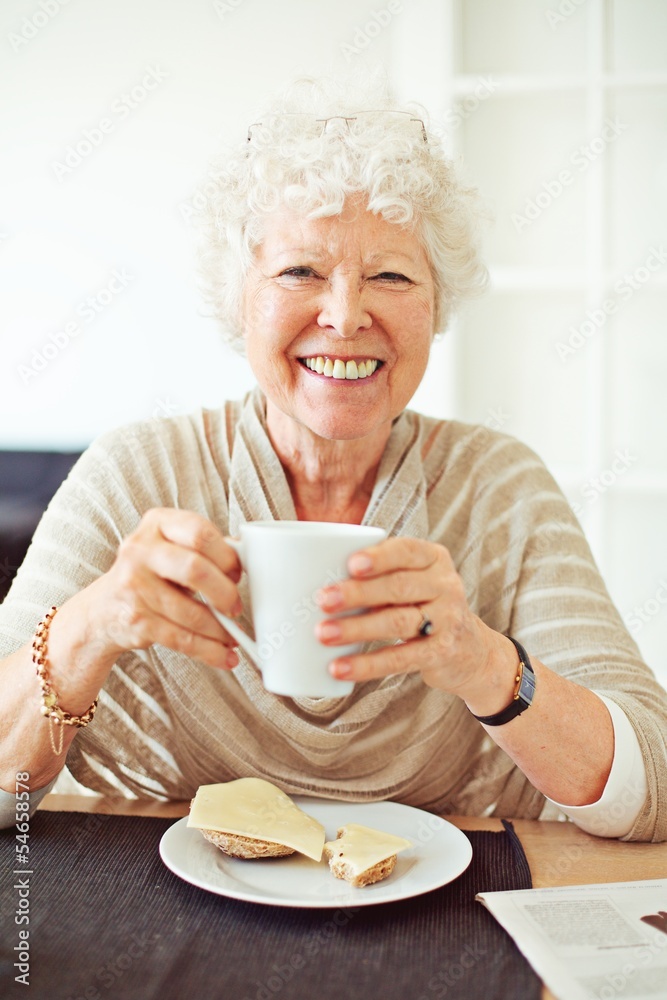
[(558, 853)]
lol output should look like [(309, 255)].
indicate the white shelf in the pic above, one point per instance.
[(519, 279), (524, 279), (513, 85), (636, 483), (639, 81)]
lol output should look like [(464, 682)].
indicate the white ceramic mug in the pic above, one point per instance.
[(287, 562)]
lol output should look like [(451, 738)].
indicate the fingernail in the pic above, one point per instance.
[(340, 668), (330, 598), (360, 563), (232, 659), (328, 631), (238, 607)]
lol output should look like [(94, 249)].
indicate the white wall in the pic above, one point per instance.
[(551, 79), (65, 232), (559, 110)]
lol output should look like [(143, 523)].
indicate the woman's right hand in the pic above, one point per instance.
[(148, 597)]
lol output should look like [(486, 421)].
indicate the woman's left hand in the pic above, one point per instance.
[(400, 582)]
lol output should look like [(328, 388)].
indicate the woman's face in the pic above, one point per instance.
[(336, 294)]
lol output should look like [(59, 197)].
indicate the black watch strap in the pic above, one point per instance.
[(523, 696)]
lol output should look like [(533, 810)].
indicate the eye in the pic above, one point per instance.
[(392, 276), (297, 272)]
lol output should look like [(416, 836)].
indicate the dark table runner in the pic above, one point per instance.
[(108, 919)]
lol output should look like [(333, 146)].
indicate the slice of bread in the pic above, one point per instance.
[(246, 847), (253, 818)]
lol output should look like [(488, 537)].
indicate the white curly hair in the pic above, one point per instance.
[(290, 159)]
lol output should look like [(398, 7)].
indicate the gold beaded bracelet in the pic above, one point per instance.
[(50, 707)]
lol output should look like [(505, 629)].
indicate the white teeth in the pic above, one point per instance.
[(337, 368)]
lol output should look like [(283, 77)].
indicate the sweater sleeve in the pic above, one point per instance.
[(562, 610), (529, 572), (8, 815), (76, 539), (118, 478)]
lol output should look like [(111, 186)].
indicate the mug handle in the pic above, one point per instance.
[(232, 627)]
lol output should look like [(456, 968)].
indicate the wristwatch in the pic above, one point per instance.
[(523, 693)]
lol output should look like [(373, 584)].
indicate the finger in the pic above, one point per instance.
[(137, 621), (388, 623), (197, 647), (188, 568), (397, 571), (393, 554), (402, 587), (142, 626), (401, 658), (179, 607), (192, 531)]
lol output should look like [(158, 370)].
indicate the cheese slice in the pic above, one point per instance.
[(361, 847), (252, 807)]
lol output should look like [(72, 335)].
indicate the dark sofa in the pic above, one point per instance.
[(28, 480)]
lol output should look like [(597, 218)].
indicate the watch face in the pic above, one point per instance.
[(527, 689), (523, 699)]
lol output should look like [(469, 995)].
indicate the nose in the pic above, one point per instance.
[(343, 309)]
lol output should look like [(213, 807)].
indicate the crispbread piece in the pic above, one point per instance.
[(361, 855), (342, 869), (246, 847)]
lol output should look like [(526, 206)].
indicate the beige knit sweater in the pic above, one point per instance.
[(167, 724)]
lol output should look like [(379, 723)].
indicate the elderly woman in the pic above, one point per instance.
[(338, 243)]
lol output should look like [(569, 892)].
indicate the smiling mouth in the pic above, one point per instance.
[(340, 369)]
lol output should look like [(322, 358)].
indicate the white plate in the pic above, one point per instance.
[(440, 852)]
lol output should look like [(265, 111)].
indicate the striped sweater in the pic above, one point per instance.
[(167, 724)]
